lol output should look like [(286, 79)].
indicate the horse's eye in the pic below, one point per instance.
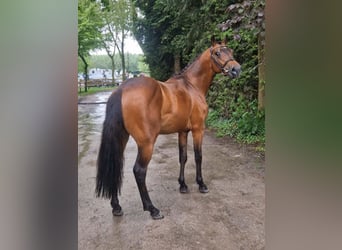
[(218, 53)]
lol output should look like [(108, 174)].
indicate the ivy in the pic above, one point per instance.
[(233, 102), (168, 28)]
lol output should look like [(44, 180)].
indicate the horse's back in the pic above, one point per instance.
[(141, 88)]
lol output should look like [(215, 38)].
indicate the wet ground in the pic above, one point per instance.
[(230, 216)]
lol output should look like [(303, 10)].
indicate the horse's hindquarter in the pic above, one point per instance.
[(141, 107)]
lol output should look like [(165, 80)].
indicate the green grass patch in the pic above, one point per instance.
[(93, 90)]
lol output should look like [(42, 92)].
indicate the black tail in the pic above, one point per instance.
[(110, 159)]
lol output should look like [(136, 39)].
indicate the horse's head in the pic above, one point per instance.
[(223, 60)]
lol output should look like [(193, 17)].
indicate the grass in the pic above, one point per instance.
[(93, 90), (244, 131)]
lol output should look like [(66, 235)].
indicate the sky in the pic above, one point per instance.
[(131, 46)]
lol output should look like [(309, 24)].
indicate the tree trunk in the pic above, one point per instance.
[(111, 56), (85, 72), (113, 69), (127, 60), (123, 58), (261, 73), (177, 63)]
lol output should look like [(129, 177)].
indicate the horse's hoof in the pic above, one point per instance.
[(203, 189), (158, 216), (117, 212), (183, 189)]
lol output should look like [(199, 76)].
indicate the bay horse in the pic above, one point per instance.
[(144, 108)]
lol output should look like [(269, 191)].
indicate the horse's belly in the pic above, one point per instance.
[(172, 124)]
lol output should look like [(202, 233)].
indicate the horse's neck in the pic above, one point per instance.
[(200, 74)]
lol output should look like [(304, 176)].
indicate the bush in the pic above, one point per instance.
[(245, 126), (233, 102)]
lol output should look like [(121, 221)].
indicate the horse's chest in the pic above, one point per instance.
[(198, 114)]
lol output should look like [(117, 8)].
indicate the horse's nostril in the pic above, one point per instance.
[(235, 70)]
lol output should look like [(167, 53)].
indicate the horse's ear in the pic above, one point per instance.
[(213, 40), (225, 40)]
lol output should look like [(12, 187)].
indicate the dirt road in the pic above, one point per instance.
[(230, 216)]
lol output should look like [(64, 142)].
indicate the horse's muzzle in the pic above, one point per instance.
[(235, 72), (232, 72)]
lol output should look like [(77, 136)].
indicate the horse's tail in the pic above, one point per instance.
[(111, 159)]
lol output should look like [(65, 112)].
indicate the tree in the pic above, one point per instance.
[(174, 32), (89, 32), (109, 39), (150, 22), (117, 15)]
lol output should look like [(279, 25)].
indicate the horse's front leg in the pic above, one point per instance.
[(182, 144), (197, 138)]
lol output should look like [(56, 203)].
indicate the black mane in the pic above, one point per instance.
[(180, 74)]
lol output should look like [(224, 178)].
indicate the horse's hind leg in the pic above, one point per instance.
[(116, 208), (198, 137), (140, 170), (117, 211), (182, 144)]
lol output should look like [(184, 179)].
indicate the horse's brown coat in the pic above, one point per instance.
[(151, 107)]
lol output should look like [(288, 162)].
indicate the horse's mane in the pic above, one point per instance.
[(180, 74)]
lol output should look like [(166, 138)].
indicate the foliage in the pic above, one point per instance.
[(89, 26), (134, 62), (148, 27), (89, 31), (169, 28), (245, 52), (101, 62), (248, 14), (246, 123), (174, 32), (117, 16), (233, 103), (142, 66)]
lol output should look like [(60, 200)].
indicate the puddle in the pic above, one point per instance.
[(90, 119)]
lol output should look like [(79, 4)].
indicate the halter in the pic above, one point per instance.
[(221, 67)]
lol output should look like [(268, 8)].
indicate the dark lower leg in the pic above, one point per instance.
[(117, 211), (199, 179), (182, 144), (140, 177), (116, 208), (140, 170)]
